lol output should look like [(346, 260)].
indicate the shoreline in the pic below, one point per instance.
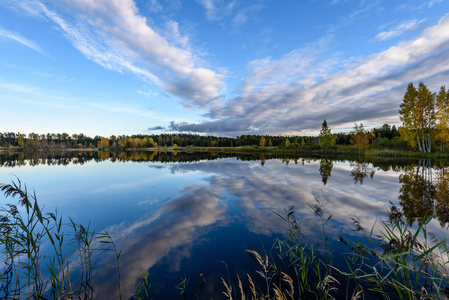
[(333, 151)]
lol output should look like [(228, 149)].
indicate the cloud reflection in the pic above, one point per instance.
[(248, 193), (276, 186), (152, 237)]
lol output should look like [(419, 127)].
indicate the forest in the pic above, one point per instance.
[(383, 137), (424, 115)]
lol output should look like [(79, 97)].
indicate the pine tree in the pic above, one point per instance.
[(326, 138)]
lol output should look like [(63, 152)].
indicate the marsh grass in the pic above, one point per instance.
[(293, 269), (29, 272), (401, 262)]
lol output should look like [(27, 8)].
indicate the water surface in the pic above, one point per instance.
[(176, 216)]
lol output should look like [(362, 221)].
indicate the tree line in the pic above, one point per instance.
[(424, 116), (63, 141)]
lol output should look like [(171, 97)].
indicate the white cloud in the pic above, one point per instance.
[(244, 14), (293, 94), (129, 110), (19, 39), (398, 30), (433, 2), (217, 9), (154, 6), (35, 95), (209, 6), (146, 94), (114, 35), (172, 34)]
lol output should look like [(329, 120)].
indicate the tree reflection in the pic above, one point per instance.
[(425, 191), (360, 171), (417, 193), (326, 166), (442, 196)]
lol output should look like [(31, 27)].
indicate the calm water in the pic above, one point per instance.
[(186, 214)]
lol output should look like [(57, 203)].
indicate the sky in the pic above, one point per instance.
[(215, 67)]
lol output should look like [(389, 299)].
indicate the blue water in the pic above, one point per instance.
[(181, 219)]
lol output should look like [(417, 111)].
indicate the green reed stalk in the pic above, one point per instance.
[(21, 240)]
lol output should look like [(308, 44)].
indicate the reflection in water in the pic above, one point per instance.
[(325, 169), (417, 193), (176, 225), (147, 240), (442, 196), (17, 159), (425, 191), (360, 171)]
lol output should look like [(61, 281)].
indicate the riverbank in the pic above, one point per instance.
[(310, 151)]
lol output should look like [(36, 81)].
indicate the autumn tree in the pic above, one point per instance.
[(103, 143), (21, 140), (263, 142), (442, 118), (285, 143), (326, 138), (417, 113), (359, 137)]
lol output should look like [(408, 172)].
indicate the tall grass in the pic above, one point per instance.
[(29, 272), (294, 269), (401, 262)]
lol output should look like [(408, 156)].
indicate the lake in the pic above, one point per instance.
[(193, 215)]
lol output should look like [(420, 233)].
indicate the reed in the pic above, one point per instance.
[(401, 262), (29, 272)]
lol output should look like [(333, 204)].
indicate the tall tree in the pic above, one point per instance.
[(407, 115), (326, 137), (417, 113), (263, 142), (442, 118), (359, 137)]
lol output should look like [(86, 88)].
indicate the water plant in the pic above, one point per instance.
[(33, 251), (401, 262)]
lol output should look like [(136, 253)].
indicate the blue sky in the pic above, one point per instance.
[(215, 67)]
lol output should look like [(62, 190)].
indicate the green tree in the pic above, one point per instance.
[(417, 113), (326, 138), (442, 118)]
